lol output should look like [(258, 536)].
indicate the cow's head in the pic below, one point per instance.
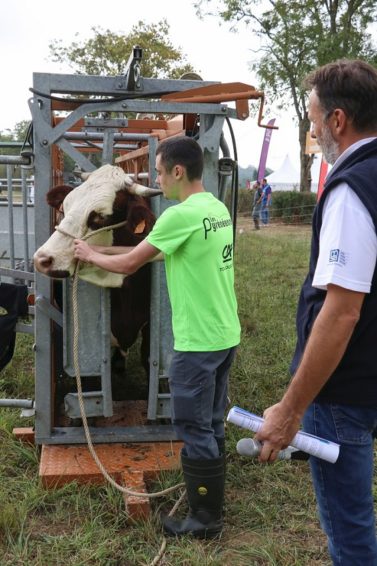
[(106, 197)]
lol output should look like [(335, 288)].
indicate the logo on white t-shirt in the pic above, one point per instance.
[(338, 256), (334, 256)]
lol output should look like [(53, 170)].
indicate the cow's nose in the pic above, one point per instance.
[(46, 261), (43, 261)]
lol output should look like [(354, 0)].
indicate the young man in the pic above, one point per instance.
[(334, 384), (196, 238)]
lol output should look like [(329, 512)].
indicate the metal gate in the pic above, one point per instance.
[(17, 242), (122, 119)]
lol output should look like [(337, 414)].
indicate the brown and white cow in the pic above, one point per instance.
[(107, 196)]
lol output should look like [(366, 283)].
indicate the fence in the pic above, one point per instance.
[(17, 242)]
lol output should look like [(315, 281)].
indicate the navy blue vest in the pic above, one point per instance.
[(354, 381)]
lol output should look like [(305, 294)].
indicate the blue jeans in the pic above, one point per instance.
[(265, 214), (344, 489), (199, 386)]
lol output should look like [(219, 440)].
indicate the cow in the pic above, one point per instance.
[(107, 196)]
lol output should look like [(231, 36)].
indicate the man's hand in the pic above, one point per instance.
[(82, 251), (278, 429)]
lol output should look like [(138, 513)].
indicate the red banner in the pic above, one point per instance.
[(322, 177)]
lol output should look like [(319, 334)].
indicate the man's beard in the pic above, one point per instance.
[(330, 148)]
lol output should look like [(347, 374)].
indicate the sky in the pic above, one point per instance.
[(27, 27)]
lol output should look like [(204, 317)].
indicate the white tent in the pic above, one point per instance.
[(286, 178)]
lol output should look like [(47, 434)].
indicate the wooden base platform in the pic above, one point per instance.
[(133, 465)]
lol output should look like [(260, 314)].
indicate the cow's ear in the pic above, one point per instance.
[(140, 214), (56, 195)]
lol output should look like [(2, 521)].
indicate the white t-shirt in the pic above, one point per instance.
[(348, 240)]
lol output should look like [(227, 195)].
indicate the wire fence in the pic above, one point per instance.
[(288, 207)]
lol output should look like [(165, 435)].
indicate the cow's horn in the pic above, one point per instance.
[(83, 175), (142, 191)]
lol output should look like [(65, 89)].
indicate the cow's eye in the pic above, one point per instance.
[(97, 220)]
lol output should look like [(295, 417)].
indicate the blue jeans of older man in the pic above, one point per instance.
[(344, 489)]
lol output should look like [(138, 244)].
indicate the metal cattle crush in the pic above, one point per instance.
[(87, 121)]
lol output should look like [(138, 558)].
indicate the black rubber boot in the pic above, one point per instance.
[(205, 481)]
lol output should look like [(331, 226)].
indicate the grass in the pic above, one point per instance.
[(270, 510)]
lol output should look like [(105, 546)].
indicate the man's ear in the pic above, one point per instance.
[(179, 171), (339, 121)]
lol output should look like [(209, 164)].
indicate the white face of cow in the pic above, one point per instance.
[(94, 198)]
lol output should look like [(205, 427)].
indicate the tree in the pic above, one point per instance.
[(106, 53), (295, 37)]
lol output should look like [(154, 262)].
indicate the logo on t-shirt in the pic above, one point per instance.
[(334, 256), (227, 257), (213, 224), (227, 253), (338, 256)]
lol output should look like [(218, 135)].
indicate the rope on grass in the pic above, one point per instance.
[(161, 552)]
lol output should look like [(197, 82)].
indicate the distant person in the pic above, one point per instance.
[(257, 204), (266, 200), (333, 390)]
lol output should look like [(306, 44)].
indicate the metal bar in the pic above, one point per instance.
[(10, 216), (25, 328), (109, 86), (107, 150), (48, 309), (78, 157), (101, 135), (11, 144), (51, 135), (154, 357), (18, 403), (43, 286), (14, 160), (105, 311), (76, 435), (25, 219), (16, 274)]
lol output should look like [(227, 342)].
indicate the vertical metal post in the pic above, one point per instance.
[(25, 218), (161, 343), (10, 215), (107, 149), (43, 285)]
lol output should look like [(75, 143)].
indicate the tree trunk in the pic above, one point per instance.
[(305, 160)]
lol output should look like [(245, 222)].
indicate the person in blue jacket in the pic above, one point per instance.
[(266, 201)]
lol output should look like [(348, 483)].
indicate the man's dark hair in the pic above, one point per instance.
[(182, 151), (350, 85)]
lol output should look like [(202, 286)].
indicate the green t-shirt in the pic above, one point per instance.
[(196, 237)]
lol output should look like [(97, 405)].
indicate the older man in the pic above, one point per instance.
[(334, 383)]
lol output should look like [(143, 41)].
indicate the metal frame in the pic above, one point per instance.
[(48, 319)]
